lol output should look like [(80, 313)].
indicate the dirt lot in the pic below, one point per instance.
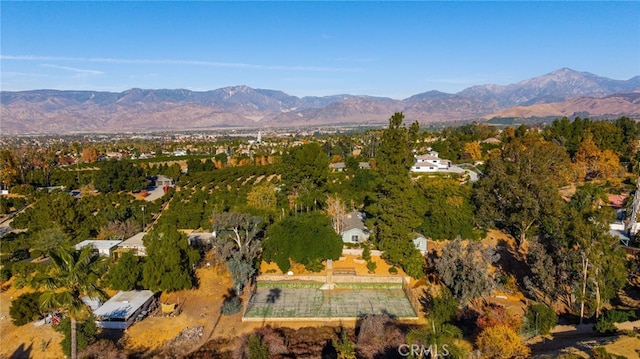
[(27, 340)]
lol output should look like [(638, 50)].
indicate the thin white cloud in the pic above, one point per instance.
[(177, 62), (73, 69)]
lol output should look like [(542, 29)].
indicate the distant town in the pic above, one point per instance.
[(396, 241)]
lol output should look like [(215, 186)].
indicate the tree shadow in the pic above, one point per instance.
[(274, 295), (512, 263), (22, 352)]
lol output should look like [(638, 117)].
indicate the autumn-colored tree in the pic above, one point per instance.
[(500, 342), (336, 210), (492, 315), (591, 162), (263, 196), (8, 168), (89, 155), (473, 150)]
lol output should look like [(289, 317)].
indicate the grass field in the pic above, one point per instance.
[(303, 300)]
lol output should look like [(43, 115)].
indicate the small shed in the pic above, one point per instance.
[(102, 247), (420, 242), (123, 309)]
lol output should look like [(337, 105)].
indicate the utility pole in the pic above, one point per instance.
[(142, 207)]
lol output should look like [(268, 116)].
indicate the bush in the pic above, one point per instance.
[(315, 265), (5, 273), (25, 308), (231, 306), (371, 266), (541, 318), (366, 253), (605, 324), (393, 270), (601, 353), (257, 349)]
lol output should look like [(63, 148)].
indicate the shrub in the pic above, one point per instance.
[(25, 308), (541, 318), (257, 349), (315, 265), (366, 253), (605, 324), (5, 273), (231, 306), (393, 270), (371, 266), (601, 353)]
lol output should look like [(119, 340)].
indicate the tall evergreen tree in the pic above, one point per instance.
[(170, 260), (394, 210)]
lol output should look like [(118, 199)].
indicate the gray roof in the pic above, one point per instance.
[(97, 244), (353, 220), (123, 305), (133, 242)]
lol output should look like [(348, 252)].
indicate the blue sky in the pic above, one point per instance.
[(393, 49)]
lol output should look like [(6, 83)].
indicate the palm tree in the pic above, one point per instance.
[(72, 274)]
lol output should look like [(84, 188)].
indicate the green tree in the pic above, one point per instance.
[(71, 275), (305, 238), (25, 308), (170, 260), (597, 257), (393, 210), (305, 173), (449, 211), (540, 318), (126, 274), (519, 191), (439, 333), (120, 175)]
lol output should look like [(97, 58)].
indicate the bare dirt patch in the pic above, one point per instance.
[(27, 341)]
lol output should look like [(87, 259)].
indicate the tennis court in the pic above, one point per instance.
[(306, 300)]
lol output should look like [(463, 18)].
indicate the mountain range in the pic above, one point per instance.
[(564, 92)]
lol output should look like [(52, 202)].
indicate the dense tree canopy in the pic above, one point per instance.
[(170, 260), (519, 191), (120, 175), (448, 211), (306, 238)]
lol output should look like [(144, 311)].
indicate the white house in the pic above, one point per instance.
[(354, 230), (162, 181), (103, 247), (123, 309), (430, 163), (420, 242)]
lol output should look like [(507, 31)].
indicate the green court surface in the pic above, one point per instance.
[(305, 300)]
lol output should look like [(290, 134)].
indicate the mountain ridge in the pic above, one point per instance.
[(136, 109)]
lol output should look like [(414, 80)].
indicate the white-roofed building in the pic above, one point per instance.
[(134, 244), (103, 247), (430, 162), (123, 309)]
